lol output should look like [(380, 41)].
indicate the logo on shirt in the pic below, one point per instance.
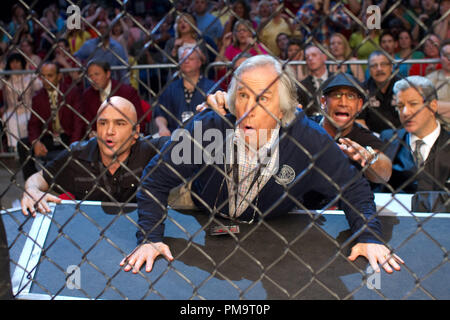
[(285, 176), (373, 102)]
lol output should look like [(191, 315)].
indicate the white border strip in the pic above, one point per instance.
[(42, 296), (31, 253), (380, 213)]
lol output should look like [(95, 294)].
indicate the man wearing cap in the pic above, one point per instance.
[(342, 100)]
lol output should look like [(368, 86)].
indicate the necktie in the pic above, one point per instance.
[(319, 83), (417, 154), (56, 125)]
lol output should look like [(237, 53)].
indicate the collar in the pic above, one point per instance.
[(429, 140), (269, 148), (49, 92), (105, 93), (90, 152)]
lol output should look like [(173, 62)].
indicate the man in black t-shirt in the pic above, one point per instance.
[(105, 168), (380, 113), (342, 101)]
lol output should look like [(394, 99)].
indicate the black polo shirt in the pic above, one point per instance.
[(359, 134), (81, 172), (380, 109)]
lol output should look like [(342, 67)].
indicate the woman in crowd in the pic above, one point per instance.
[(18, 89), (294, 52), (185, 37), (120, 33), (27, 48), (431, 51), (242, 11), (364, 42), (341, 51), (242, 39), (282, 43), (406, 51)]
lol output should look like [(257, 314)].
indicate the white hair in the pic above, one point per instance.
[(287, 90)]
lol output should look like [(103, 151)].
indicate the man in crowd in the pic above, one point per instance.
[(342, 101), (262, 101), (441, 81), (208, 24), (309, 91), (105, 168), (106, 49), (179, 99), (420, 151), (380, 113), (51, 128), (389, 44), (103, 87)]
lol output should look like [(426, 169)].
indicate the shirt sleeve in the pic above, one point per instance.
[(54, 171)]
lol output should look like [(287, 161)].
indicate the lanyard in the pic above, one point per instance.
[(234, 169)]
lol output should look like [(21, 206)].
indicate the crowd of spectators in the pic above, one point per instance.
[(395, 112), (218, 32)]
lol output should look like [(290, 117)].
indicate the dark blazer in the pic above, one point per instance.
[(405, 175), (40, 117), (91, 100), (308, 96)]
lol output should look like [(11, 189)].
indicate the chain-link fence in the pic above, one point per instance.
[(252, 200)]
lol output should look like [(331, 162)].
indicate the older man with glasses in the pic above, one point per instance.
[(380, 113)]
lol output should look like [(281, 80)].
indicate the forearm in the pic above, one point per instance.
[(360, 211), (380, 171)]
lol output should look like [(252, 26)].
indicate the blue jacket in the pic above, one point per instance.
[(304, 146), (406, 177), (174, 101)]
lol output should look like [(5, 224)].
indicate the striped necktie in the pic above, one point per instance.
[(417, 154)]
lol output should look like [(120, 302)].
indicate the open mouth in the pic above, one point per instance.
[(109, 143), (342, 115)]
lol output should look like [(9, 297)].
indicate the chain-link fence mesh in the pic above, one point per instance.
[(61, 61)]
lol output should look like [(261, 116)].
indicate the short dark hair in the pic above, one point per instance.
[(100, 63), (387, 33), (63, 40), (56, 64), (296, 41), (404, 30)]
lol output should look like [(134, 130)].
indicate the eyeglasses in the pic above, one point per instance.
[(382, 64), (338, 95)]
